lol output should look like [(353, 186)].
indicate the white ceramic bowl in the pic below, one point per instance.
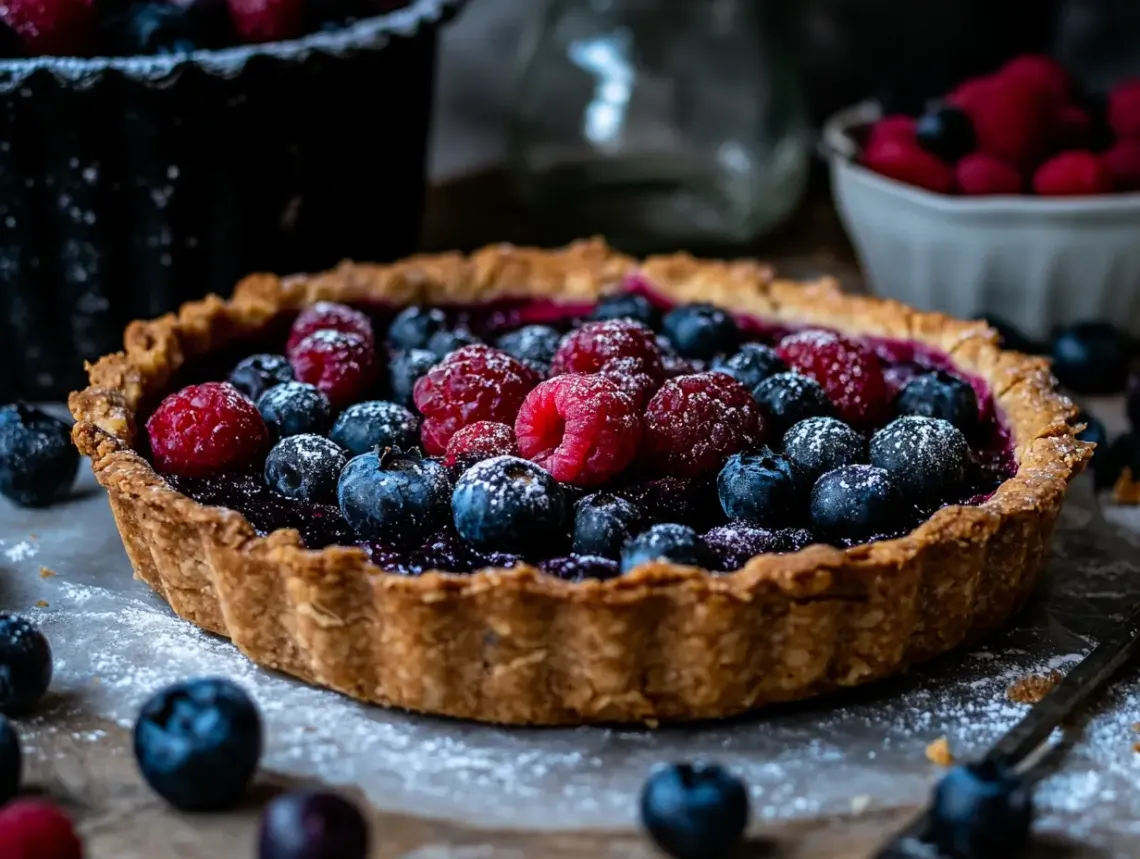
[(1037, 262)]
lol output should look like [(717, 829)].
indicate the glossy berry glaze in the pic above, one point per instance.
[(691, 501)]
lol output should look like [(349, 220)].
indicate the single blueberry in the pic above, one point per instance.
[(940, 395), (405, 369), (581, 568), (376, 424), (736, 543), (509, 504), (761, 487), (11, 761), (25, 665), (534, 345), (819, 445), (754, 363), (443, 343), (602, 524), (198, 743), (857, 502), (981, 810), (677, 544), (294, 408), (945, 132), (928, 458), (413, 327), (312, 825), (255, 375), (695, 811), (627, 305), (788, 398), (1092, 357), (1094, 432), (38, 462), (393, 496), (701, 330), (305, 467)]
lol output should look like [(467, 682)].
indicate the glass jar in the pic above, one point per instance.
[(659, 124)]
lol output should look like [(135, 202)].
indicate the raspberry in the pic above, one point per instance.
[(898, 127), (1124, 109), (36, 829), (694, 422), (267, 20), (1011, 119), (478, 441), (475, 383), (1072, 174), (1042, 74), (979, 174), (620, 349), (61, 28), (1123, 162), (341, 365), (329, 316), (849, 372), (204, 429), (1074, 128), (582, 429), (908, 162)]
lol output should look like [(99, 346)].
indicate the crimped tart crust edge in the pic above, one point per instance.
[(666, 643)]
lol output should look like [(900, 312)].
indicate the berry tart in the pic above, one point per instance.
[(567, 487)]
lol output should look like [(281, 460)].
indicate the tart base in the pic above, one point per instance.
[(666, 643)]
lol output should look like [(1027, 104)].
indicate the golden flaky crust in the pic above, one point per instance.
[(664, 643)]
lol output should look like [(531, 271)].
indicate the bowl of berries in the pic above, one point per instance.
[(1013, 195)]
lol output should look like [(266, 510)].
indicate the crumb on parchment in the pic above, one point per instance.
[(41, 603), (939, 752), (1033, 687), (45, 573)]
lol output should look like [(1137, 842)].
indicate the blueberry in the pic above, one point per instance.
[(443, 343), (305, 467), (627, 306), (1094, 432), (393, 496), (11, 761), (695, 811), (602, 524), (819, 445), (405, 369), (376, 424), (678, 544), (751, 365), (736, 543), (167, 28), (255, 375), (761, 487), (580, 568), (1092, 357), (788, 398), (198, 743), (295, 408), (857, 502), (534, 345), (1011, 337), (25, 665), (981, 810), (413, 327), (312, 825), (941, 395), (927, 457), (37, 459), (509, 504), (946, 132), (700, 330)]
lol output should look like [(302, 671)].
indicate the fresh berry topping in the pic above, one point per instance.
[(479, 441), (910, 163), (25, 665), (342, 365), (898, 127), (255, 375), (946, 133), (736, 543), (166, 28), (62, 28), (940, 395), (602, 524), (443, 343), (751, 365), (623, 351), (293, 408), (198, 743), (396, 497), (857, 502), (1072, 174), (627, 305), (686, 500), (980, 175), (1124, 109), (849, 372), (1123, 164), (268, 20), (582, 429), (329, 316), (695, 811), (981, 809), (1042, 75), (37, 459), (405, 370), (11, 761), (819, 445), (413, 327), (477, 383), (509, 504), (700, 330), (534, 345), (788, 398), (204, 429), (694, 422), (1092, 357), (305, 467), (1011, 120), (927, 457), (761, 487), (311, 825), (581, 568), (667, 543), (36, 829), (376, 424)]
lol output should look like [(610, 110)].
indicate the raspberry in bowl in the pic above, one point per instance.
[(1012, 195)]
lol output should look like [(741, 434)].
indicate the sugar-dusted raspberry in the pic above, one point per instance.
[(1124, 109), (1072, 174), (908, 162), (582, 429), (478, 441), (620, 349), (36, 829), (268, 20), (53, 27), (329, 316), (849, 372), (1123, 162), (341, 365), (694, 422), (475, 383), (979, 174), (204, 429)]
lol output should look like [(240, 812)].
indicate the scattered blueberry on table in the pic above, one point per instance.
[(312, 825), (1092, 357), (25, 665), (695, 810), (981, 811), (38, 462)]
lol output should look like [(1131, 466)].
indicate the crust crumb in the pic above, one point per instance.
[(41, 603), (1033, 687), (45, 573), (939, 752)]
